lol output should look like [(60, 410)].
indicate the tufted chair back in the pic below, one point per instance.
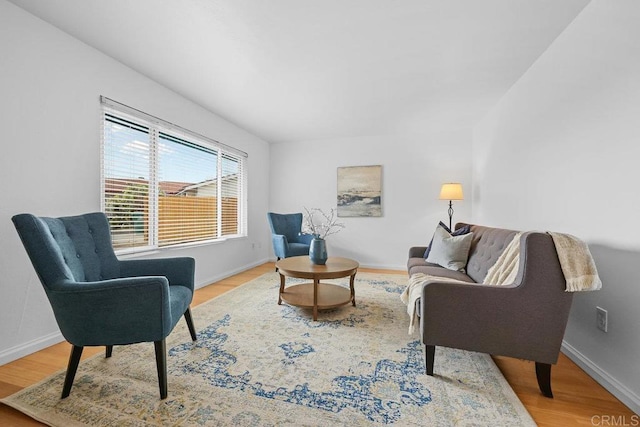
[(486, 247), (288, 225), (76, 248)]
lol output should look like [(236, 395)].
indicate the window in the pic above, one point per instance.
[(163, 185)]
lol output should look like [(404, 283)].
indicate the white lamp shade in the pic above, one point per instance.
[(451, 191)]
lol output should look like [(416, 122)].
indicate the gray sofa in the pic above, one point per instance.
[(525, 319)]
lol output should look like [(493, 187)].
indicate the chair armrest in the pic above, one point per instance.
[(280, 245), (417, 251), (112, 312), (178, 271)]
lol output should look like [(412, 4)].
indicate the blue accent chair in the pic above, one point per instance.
[(286, 237), (99, 300)]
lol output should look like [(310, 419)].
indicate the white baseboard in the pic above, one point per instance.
[(615, 387), (401, 269), (24, 349), (209, 280)]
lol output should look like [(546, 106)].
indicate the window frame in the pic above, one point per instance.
[(157, 128)]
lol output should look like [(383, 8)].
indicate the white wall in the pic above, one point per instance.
[(50, 120), (560, 152), (304, 174)]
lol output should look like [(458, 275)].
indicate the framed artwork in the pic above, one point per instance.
[(360, 191)]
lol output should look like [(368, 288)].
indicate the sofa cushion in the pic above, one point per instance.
[(418, 262), (460, 231), (436, 270), (450, 251)]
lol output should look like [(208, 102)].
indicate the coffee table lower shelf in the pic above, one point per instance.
[(329, 296)]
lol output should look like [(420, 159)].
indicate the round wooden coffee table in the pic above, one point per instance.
[(316, 295)]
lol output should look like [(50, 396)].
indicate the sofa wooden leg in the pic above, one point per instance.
[(108, 351), (543, 373), (430, 351), (161, 364), (72, 367)]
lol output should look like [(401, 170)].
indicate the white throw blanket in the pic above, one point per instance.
[(577, 263), (504, 271), (413, 292)]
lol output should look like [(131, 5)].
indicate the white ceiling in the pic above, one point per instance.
[(292, 70)]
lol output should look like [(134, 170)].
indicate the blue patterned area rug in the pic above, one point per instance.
[(257, 363)]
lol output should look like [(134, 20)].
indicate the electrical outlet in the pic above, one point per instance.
[(602, 319)]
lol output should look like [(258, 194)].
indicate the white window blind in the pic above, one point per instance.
[(163, 185)]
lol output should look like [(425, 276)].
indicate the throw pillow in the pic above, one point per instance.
[(449, 251), (459, 232)]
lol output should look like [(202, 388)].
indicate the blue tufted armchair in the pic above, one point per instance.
[(99, 300), (286, 237)]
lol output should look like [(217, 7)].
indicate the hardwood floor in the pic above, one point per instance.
[(578, 399)]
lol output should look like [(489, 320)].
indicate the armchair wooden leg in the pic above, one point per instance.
[(192, 328), (108, 351), (543, 374), (430, 351), (161, 364), (72, 367)]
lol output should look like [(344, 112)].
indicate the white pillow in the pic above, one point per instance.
[(449, 251)]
